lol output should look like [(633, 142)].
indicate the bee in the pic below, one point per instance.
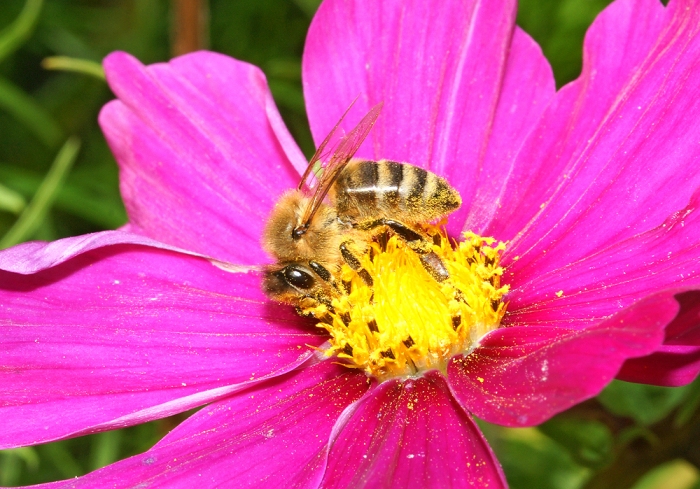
[(314, 229)]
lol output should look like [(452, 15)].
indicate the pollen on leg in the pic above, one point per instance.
[(403, 321)]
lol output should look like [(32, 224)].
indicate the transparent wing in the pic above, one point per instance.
[(342, 153), (321, 156)]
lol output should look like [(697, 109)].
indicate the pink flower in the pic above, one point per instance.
[(593, 187)]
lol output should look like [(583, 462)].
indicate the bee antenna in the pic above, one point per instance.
[(299, 231)]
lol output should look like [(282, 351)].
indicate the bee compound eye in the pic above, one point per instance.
[(298, 277)]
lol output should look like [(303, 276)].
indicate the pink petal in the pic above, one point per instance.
[(685, 328), (126, 334), (408, 434), (273, 435), (527, 88), (678, 361), (593, 288), (521, 376), (35, 256), (202, 151), (669, 366), (616, 151), (455, 101)]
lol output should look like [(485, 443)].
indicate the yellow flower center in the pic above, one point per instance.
[(407, 322)]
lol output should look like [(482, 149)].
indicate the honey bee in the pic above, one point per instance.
[(313, 230)]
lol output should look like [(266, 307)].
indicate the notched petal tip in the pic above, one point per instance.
[(196, 140), (117, 65)]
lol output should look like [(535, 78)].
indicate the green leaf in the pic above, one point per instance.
[(34, 213), (28, 112), (646, 404), (10, 200), (630, 434), (677, 474), (17, 33), (65, 63), (532, 460), (559, 27), (589, 442)]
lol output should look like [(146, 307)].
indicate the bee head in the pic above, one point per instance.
[(287, 238)]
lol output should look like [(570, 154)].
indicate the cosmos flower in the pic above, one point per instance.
[(592, 189)]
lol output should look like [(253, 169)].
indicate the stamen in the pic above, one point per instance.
[(402, 321)]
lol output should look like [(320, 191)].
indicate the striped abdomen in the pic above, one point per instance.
[(374, 189)]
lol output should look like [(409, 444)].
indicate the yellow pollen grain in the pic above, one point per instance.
[(407, 322)]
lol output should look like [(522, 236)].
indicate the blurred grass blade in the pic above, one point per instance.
[(62, 459), (11, 201), (691, 404), (11, 464), (89, 195), (33, 215), (309, 7), (16, 34), (29, 113), (65, 63), (106, 448)]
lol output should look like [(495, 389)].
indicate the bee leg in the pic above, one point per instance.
[(399, 228), (325, 275), (434, 266), (417, 242), (321, 271), (305, 313), (355, 264), (309, 301)]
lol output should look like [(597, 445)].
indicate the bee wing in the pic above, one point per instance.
[(342, 154), (321, 154)]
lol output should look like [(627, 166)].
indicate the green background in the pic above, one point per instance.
[(58, 178)]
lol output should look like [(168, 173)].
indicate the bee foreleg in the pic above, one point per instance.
[(354, 263), (324, 274), (321, 271)]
